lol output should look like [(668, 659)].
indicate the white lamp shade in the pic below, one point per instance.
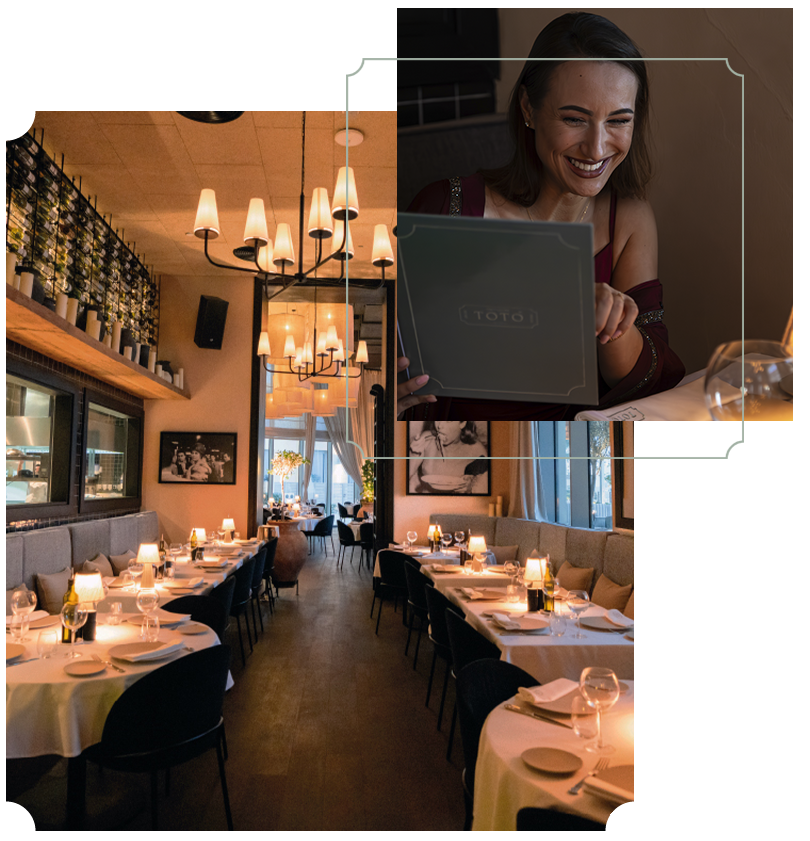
[(228, 524), (342, 248), (149, 553), (362, 351), (345, 195), (289, 346), (534, 570), (331, 338), (283, 253), (256, 225), (381, 252), (340, 355), (322, 408), (207, 218), (264, 345), (320, 218), (320, 348), (88, 586), (265, 258), (200, 534), (280, 326), (477, 546)]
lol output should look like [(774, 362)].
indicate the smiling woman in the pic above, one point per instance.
[(578, 115)]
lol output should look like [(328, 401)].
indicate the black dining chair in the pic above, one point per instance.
[(269, 566), (391, 583), (346, 539), (241, 599), (366, 544), (205, 609), (480, 687), (223, 593), (322, 530), (437, 605), (342, 512), (466, 645), (256, 588), (535, 819), (191, 690), (417, 601)]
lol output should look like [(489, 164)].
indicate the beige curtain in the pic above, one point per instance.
[(525, 490), (309, 453)]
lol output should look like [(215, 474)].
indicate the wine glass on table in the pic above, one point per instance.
[(73, 616), (459, 536), (135, 568), (411, 535), (600, 689), (23, 603), (447, 539), (578, 602), (146, 601)]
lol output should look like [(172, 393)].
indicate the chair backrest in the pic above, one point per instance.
[(480, 687), (367, 535), (415, 580), (270, 559), (534, 818), (437, 604), (258, 569), (244, 578), (189, 691), (206, 609), (324, 527), (392, 568), (345, 534), (467, 643), (342, 511), (223, 593)]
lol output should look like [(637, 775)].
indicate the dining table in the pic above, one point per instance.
[(505, 781)]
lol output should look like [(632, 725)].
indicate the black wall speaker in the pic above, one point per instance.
[(210, 322)]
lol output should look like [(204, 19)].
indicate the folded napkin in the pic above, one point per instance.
[(212, 562), (502, 620), (548, 692), (618, 789), (470, 593), (37, 614), (616, 617), (153, 653), (184, 583), (444, 567)]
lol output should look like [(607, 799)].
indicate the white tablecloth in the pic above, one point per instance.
[(504, 783), (544, 656), (50, 712)]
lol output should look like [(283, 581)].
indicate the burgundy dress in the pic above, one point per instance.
[(657, 368)]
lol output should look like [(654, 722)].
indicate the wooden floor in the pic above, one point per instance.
[(326, 726)]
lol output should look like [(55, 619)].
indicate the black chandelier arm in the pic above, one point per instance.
[(223, 265)]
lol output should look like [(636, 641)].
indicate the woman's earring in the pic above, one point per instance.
[(528, 125)]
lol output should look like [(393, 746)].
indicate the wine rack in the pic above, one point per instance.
[(57, 232)]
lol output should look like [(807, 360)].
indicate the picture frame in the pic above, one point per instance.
[(197, 458), (448, 458)]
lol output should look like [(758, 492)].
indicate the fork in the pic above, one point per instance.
[(601, 765), (97, 657)]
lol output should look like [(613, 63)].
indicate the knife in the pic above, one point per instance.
[(515, 708)]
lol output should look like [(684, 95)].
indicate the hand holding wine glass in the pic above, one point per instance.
[(600, 689)]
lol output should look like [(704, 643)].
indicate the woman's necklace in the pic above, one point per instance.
[(587, 205)]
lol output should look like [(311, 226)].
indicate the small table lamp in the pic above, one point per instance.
[(149, 556), (89, 590), (533, 576), (477, 547), (228, 526)]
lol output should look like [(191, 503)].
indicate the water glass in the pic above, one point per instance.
[(512, 593), (557, 624), (584, 722), (468, 566), (16, 628), (114, 616), (150, 627), (169, 569), (46, 642)]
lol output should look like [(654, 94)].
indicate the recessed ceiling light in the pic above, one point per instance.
[(349, 137), (211, 117)]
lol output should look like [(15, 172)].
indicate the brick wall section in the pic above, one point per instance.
[(17, 352)]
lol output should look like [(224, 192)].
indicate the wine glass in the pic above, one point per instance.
[(511, 568), (411, 535), (135, 568), (754, 377), (459, 536), (578, 602), (73, 616), (583, 720), (600, 688), (447, 539), (147, 600), (23, 603)]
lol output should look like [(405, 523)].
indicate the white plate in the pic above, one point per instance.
[(600, 623), (166, 617), (561, 705), (118, 584), (193, 628), (13, 651), (551, 760), (83, 668), (443, 482), (45, 622), (486, 595), (127, 649)]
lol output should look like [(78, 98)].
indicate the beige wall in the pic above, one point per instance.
[(697, 193), (413, 512), (219, 382)]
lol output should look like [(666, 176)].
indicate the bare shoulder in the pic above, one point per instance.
[(635, 244)]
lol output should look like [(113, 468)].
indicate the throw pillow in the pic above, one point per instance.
[(51, 589), (121, 562), (610, 595), (575, 578), (503, 553), (629, 608), (99, 563)]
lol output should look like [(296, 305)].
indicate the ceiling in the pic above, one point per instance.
[(146, 169)]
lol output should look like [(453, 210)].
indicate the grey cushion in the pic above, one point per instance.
[(51, 589), (88, 539), (585, 548), (524, 533), (147, 527), (121, 562), (503, 553), (14, 560), (46, 551), (98, 563), (124, 535), (619, 558), (610, 595), (478, 524)]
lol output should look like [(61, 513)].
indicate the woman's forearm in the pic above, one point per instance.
[(618, 358)]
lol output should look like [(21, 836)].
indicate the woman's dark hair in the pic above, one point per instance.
[(469, 434), (572, 36)]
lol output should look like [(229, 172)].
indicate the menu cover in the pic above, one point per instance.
[(498, 310)]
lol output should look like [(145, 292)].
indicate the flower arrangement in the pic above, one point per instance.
[(283, 464), (368, 481)]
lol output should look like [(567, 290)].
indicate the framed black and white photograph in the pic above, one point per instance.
[(200, 458), (448, 458)]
